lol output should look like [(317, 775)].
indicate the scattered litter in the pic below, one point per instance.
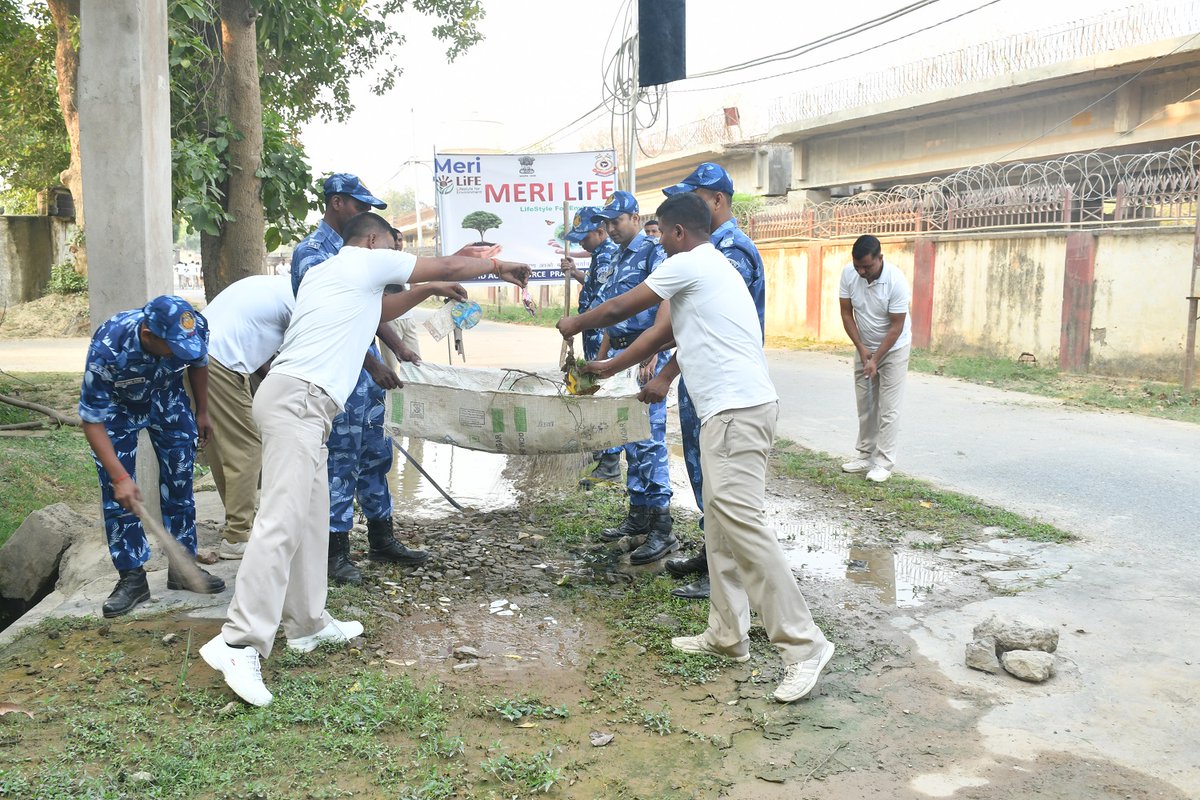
[(514, 607), (541, 566), (551, 620), (599, 739), (464, 652), (527, 725), (466, 666), (170, 637), (504, 613), (227, 709), (443, 599)]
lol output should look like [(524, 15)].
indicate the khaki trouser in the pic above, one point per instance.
[(235, 450), (282, 578), (879, 400), (407, 328), (746, 565)]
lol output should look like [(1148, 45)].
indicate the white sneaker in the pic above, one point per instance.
[(700, 645), (241, 669), (800, 678), (232, 550), (857, 465), (879, 474), (335, 631)]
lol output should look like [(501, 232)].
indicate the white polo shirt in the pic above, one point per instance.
[(873, 302), (337, 312), (720, 344), (246, 321)]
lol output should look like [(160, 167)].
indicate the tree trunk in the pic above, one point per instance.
[(239, 251), (65, 14)]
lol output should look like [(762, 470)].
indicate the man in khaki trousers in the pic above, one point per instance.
[(250, 316), (874, 300), (720, 354)]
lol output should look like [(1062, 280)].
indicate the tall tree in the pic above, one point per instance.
[(245, 75)]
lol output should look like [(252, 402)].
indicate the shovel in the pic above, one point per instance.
[(182, 562)]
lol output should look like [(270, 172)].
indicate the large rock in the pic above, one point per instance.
[(1034, 666), (981, 655), (1017, 634), (29, 559)]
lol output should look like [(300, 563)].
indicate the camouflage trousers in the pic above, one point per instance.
[(172, 429), (360, 457), (648, 474), (689, 427)]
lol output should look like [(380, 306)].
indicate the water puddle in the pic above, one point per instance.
[(825, 551), (476, 480)]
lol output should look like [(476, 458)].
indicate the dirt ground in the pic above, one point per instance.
[(587, 633), (52, 316)]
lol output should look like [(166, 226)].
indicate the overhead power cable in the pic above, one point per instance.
[(846, 57)]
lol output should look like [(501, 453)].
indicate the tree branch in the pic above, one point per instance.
[(59, 417)]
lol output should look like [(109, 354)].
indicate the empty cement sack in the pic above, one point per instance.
[(513, 411)]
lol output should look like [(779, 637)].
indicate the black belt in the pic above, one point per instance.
[(622, 342)]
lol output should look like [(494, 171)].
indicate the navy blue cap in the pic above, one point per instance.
[(345, 183), (706, 176), (173, 320), (583, 224), (616, 205)]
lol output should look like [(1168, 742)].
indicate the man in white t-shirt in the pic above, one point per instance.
[(720, 354), (283, 577), (246, 325), (875, 298)]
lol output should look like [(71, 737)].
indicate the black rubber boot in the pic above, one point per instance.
[(209, 584), (385, 547), (636, 523), (608, 470), (341, 568), (682, 567), (697, 590), (660, 540), (131, 590)]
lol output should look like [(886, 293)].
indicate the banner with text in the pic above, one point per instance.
[(516, 201)]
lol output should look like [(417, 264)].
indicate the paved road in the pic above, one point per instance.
[(1103, 475)]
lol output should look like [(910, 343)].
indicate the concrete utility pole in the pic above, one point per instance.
[(125, 145), (1189, 360)]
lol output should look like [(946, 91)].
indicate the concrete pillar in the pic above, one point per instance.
[(125, 146)]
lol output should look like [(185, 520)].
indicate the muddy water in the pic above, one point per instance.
[(476, 480)]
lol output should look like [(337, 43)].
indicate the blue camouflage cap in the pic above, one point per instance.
[(617, 204), (345, 183), (173, 320), (706, 176), (583, 223)]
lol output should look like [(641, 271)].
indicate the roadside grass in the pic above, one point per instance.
[(1152, 398), (53, 466), (906, 504), (517, 315)]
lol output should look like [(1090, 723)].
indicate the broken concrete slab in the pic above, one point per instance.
[(29, 559), (1034, 666), (1017, 634), (981, 655)]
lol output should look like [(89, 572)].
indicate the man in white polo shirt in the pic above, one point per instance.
[(875, 298), (246, 325), (283, 577), (720, 354)]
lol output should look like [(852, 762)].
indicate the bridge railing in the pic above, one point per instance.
[(1127, 27)]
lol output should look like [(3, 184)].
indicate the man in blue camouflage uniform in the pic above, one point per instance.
[(712, 184), (592, 234), (360, 454), (133, 379), (648, 476)]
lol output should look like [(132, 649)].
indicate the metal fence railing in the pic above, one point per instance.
[(1080, 190)]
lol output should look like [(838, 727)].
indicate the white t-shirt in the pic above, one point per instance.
[(720, 345), (337, 312), (247, 320), (873, 302)]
